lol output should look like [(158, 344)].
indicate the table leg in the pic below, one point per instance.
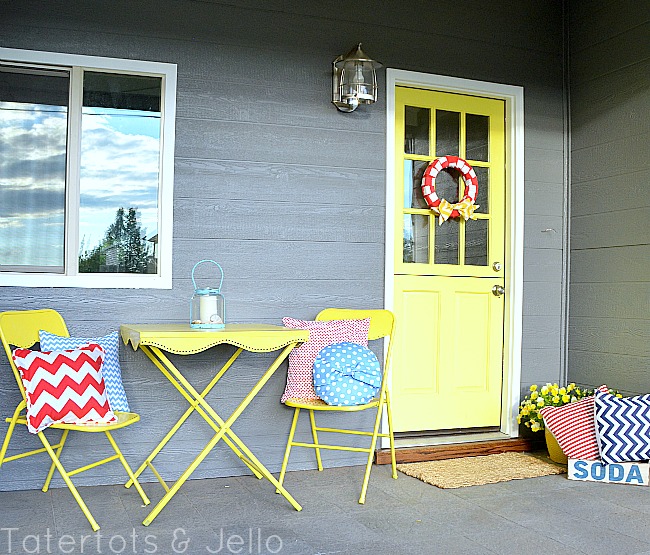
[(197, 461), (163, 363), (199, 404), (183, 478)]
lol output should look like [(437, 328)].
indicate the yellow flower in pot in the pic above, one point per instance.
[(550, 395)]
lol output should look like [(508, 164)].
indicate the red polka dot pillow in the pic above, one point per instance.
[(63, 386), (300, 375), (574, 427)]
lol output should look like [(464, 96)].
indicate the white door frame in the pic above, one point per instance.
[(514, 214)]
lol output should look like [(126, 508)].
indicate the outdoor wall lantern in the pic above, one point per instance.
[(354, 80)]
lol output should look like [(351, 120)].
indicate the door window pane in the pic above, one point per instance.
[(416, 239), (119, 175), (476, 242), (416, 130), (413, 172), (483, 175), (447, 133), (477, 129), (446, 242), (33, 131), (447, 184)]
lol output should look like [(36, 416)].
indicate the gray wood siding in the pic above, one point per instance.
[(609, 318), (287, 193)]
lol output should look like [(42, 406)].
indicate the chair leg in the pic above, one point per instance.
[(126, 466), (371, 454), (5, 443), (391, 436), (10, 431), (314, 436), (68, 482), (287, 451), (46, 485)]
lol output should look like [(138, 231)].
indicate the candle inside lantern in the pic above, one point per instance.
[(208, 312)]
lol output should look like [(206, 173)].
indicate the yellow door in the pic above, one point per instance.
[(449, 276)]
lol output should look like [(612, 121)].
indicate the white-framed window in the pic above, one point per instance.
[(86, 170)]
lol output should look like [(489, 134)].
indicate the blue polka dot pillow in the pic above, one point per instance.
[(346, 374)]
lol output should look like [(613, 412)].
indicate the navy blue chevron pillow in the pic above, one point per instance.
[(623, 427)]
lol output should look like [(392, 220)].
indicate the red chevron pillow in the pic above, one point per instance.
[(63, 386), (574, 427)]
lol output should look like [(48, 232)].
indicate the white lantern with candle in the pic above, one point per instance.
[(208, 305)]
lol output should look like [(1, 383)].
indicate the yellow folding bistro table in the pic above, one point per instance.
[(180, 339)]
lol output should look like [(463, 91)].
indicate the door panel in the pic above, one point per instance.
[(448, 352), (424, 344)]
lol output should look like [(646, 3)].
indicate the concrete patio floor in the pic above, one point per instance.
[(549, 515)]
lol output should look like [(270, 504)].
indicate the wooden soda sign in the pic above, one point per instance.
[(634, 473)]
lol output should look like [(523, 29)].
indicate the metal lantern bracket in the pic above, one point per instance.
[(354, 80)]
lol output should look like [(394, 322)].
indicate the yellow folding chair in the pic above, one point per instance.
[(382, 324), (20, 329)]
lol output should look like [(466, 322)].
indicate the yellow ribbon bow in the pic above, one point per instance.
[(444, 210), (465, 208)]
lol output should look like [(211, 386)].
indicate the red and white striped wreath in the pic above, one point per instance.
[(444, 209)]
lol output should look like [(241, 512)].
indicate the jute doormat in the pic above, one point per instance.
[(475, 471)]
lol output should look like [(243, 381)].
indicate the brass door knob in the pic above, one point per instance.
[(498, 290)]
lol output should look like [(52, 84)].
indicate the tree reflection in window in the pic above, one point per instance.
[(124, 248), (120, 151)]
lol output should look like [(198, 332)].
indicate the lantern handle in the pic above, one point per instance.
[(218, 266)]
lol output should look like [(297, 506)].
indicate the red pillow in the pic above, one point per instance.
[(574, 427), (300, 376), (63, 386)]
